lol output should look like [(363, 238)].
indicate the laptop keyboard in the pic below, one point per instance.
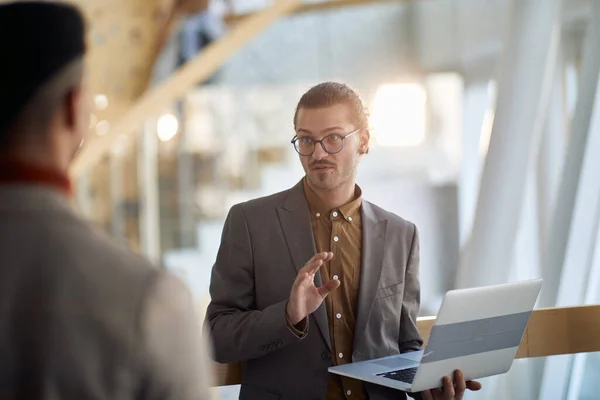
[(402, 375)]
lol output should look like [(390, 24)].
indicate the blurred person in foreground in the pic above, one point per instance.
[(317, 276), (80, 318)]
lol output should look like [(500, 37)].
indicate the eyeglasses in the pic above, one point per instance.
[(332, 144)]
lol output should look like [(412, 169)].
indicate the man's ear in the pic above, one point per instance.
[(365, 138), (72, 106), (78, 109)]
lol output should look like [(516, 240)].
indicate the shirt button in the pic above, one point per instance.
[(341, 355), (335, 277), (349, 392), (335, 214), (336, 239), (338, 316), (318, 215), (350, 219)]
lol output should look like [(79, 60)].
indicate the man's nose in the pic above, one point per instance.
[(319, 152)]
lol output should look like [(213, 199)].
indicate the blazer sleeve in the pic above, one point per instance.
[(410, 339), (238, 330), (176, 360)]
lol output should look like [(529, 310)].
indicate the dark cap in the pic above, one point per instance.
[(37, 39)]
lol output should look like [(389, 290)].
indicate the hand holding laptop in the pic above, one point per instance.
[(477, 331), (451, 391)]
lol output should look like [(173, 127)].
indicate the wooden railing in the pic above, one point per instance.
[(550, 332)]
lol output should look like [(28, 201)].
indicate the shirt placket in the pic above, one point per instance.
[(337, 274)]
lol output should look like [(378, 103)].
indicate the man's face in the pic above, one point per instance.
[(328, 171)]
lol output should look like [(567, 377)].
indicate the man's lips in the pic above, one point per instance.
[(321, 167)]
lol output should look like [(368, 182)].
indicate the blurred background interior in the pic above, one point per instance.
[(486, 134)]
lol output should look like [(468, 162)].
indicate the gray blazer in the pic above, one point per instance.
[(81, 318), (264, 244)]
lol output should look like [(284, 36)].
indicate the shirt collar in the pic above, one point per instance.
[(16, 172), (321, 209), (351, 209)]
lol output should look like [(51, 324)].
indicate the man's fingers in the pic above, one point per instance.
[(313, 265), (329, 287), (448, 388), (459, 381), (473, 385), (448, 391), (426, 395)]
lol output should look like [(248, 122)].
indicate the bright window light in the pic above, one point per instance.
[(488, 120), (167, 127), (486, 132), (398, 117)]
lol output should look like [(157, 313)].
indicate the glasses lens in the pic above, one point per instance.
[(304, 146), (333, 143)]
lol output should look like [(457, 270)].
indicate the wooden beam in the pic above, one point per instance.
[(196, 70), (315, 7), (550, 332)]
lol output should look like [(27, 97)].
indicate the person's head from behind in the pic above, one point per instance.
[(44, 104), (332, 134)]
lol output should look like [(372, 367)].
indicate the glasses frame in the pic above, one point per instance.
[(296, 138)]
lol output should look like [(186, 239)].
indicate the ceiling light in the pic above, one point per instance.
[(167, 127)]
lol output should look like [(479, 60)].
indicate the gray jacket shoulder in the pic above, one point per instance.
[(120, 278), (89, 246), (151, 306), (263, 203), (394, 219), (399, 230), (256, 210)]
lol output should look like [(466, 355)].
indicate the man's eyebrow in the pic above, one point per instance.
[(330, 129), (334, 128)]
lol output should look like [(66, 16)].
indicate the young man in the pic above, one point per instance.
[(80, 318), (315, 275)]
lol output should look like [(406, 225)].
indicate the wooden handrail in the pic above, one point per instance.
[(550, 332)]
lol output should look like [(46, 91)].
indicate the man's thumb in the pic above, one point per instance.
[(329, 287)]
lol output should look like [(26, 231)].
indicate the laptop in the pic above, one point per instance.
[(477, 330)]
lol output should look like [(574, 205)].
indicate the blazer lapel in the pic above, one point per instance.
[(373, 242), (297, 230)]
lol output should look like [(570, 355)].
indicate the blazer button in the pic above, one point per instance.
[(326, 355)]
